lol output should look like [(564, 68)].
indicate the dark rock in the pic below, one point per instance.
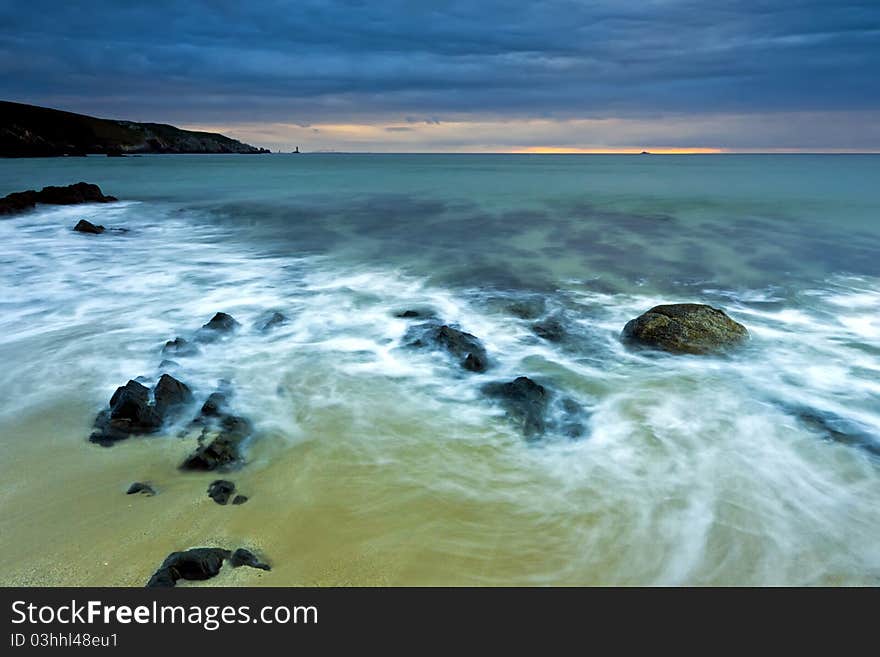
[(527, 308), (464, 346), (80, 192), (243, 557), (170, 394), (421, 313), (139, 487), (277, 319), (525, 401), (239, 499), (221, 322), (195, 564), (83, 226), (18, 202), (130, 412), (550, 329), (222, 452), (221, 490), (180, 347), (213, 405), (573, 419), (837, 429), (685, 328)]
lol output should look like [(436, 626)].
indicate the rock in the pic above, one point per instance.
[(170, 394), (239, 499), (525, 401), (277, 319), (243, 557), (18, 202), (84, 226), (195, 564), (685, 328), (80, 192), (222, 323), (180, 347), (222, 452), (221, 490), (213, 405), (167, 364), (550, 329), (835, 428), (464, 346), (131, 412), (527, 308), (139, 487), (422, 313)]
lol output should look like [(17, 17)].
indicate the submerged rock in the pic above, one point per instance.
[(80, 192), (219, 445), (83, 226), (180, 347), (837, 429), (239, 499), (527, 308), (142, 488), (416, 313), (685, 328), (464, 346), (221, 490), (550, 329), (213, 405), (131, 412), (277, 319), (525, 401)]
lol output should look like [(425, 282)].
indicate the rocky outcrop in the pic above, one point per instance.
[(685, 328), (277, 319), (219, 325), (77, 193), (31, 131), (550, 329), (132, 412)]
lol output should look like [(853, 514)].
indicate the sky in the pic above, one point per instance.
[(462, 76)]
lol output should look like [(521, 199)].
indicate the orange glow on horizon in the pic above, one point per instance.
[(562, 150)]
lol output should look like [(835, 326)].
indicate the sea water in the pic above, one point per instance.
[(374, 463)]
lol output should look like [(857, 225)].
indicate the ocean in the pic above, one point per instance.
[(373, 463)]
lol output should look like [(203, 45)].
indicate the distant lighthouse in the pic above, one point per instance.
[(297, 150)]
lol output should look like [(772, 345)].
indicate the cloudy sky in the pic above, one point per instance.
[(471, 75)]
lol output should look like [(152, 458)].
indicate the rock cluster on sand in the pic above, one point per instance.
[(139, 487), (221, 437), (80, 192), (135, 410), (201, 564), (685, 328), (221, 491)]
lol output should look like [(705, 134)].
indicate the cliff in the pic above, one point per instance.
[(31, 131)]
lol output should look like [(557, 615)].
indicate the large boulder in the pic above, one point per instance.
[(80, 192), (170, 395), (685, 328), (526, 404)]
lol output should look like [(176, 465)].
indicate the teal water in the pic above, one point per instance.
[(759, 468)]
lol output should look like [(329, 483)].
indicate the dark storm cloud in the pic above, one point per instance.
[(319, 60)]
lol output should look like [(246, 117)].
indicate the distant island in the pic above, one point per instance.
[(31, 131)]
